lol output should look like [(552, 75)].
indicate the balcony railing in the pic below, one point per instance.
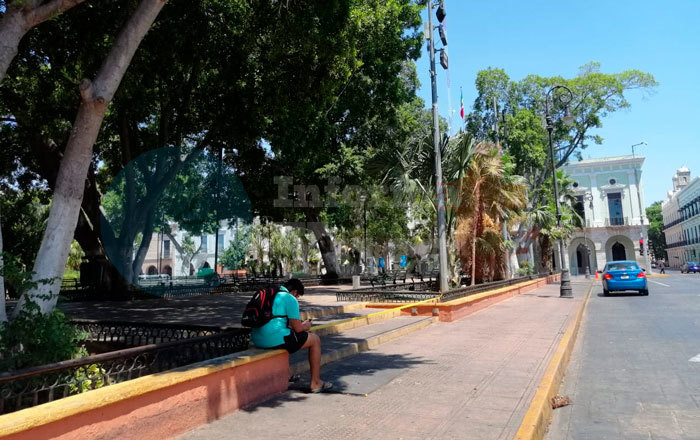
[(673, 223), (617, 221), (677, 244)]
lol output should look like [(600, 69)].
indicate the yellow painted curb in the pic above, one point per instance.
[(657, 275), (321, 312), (60, 409), (489, 293), (360, 321), (536, 420), (372, 315)]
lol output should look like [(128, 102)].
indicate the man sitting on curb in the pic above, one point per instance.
[(286, 330)]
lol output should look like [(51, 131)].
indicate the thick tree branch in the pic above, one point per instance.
[(44, 12)]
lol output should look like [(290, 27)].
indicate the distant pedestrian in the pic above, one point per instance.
[(662, 267)]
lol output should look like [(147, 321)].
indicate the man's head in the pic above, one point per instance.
[(294, 286)]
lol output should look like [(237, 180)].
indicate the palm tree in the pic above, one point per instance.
[(544, 219), (410, 173), (487, 192)]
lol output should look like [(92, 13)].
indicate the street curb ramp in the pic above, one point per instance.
[(536, 421)]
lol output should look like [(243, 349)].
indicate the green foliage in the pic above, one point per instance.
[(17, 278), (89, 377), (522, 103), (75, 256), (526, 268), (234, 256), (656, 234), (33, 338), (24, 215)]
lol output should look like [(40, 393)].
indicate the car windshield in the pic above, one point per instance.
[(692, 263), (623, 266)]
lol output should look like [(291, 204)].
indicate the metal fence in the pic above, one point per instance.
[(418, 291), (37, 385)]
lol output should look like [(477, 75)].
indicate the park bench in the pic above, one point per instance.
[(399, 275)]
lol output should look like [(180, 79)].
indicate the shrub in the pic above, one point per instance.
[(34, 338), (526, 268)]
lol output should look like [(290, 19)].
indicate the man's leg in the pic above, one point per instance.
[(313, 343)]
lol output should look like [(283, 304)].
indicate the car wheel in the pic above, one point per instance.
[(606, 292), (644, 292)]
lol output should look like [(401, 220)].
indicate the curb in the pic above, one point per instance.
[(536, 420), (366, 345)]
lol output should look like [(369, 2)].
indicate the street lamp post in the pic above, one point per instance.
[(363, 197), (442, 238), (645, 251), (565, 288), (587, 197)]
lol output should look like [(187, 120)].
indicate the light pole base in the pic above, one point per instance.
[(565, 289)]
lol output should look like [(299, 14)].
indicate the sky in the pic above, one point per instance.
[(550, 38)]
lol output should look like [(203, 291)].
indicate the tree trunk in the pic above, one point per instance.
[(12, 29), (475, 222), (68, 196), (19, 18), (326, 247), (3, 312), (305, 253)]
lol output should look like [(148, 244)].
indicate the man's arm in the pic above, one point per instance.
[(299, 326)]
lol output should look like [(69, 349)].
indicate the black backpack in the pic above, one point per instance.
[(258, 312)]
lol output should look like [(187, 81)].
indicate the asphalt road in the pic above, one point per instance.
[(635, 369)]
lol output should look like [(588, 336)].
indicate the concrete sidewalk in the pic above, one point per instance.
[(469, 379)]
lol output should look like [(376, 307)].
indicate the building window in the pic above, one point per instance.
[(575, 185), (615, 208), (204, 243), (166, 249), (220, 240), (612, 181)]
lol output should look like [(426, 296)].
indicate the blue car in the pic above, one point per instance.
[(624, 275), (690, 266)]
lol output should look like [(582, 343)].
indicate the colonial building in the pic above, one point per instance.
[(609, 193), (681, 213)]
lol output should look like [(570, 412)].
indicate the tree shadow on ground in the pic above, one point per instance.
[(215, 310)]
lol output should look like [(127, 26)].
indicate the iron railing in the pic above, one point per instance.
[(423, 290), (134, 334), (617, 221), (38, 385), (472, 290)]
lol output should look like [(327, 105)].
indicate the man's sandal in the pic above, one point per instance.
[(325, 388)]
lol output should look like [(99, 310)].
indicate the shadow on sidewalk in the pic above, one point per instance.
[(362, 373)]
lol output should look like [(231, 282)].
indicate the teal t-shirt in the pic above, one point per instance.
[(272, 334)]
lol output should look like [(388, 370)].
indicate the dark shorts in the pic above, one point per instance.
[(294, 341)]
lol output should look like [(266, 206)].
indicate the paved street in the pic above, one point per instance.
[(631, 374)]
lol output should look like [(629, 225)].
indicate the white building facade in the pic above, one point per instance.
[(610, 198), (681, 213)]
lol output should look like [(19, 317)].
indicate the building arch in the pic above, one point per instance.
[(619, 247), (578, 248), (152, 270), (168, 270)]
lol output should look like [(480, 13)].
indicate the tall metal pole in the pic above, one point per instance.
[(216, 215), (645, 251), (565, 288), (442, 239), (365, 225)]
